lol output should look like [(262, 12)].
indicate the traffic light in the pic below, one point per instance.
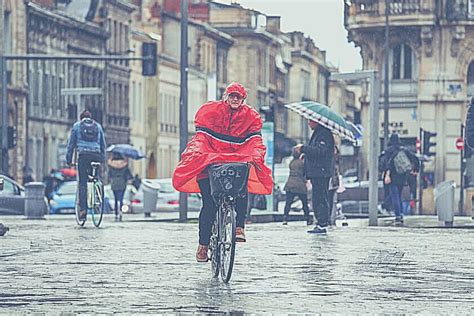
[(427, 143), (150, 59)]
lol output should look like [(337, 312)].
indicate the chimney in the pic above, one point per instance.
[(273, 24)]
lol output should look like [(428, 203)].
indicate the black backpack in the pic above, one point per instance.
[(89, 130)]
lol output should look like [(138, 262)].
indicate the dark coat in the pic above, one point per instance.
[(386, 161), (470, 126), (296, 181), (119, 174), (319, 154)]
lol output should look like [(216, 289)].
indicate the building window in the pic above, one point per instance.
[(402, 62), (305, 85)]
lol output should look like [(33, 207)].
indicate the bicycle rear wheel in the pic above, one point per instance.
[(98, 206), (214, 250), (227, 241), (77, 209)]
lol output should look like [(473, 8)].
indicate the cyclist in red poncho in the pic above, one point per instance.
[(226, 131)]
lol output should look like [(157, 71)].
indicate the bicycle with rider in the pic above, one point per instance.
[(87, 138), (228, 130)]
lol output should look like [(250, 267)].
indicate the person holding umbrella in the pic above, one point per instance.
[(318, 168), (319, 154), (119, 174)]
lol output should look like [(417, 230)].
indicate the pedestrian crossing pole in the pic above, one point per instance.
[(183, 102), (4, 100)]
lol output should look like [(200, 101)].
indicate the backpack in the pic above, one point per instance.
[(89, 130), (402, 163)]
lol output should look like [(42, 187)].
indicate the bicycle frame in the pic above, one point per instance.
[(228, 182)]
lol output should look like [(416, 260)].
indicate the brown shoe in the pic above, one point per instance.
[(201, 253), (240, 235)]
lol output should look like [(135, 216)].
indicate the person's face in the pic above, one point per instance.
[(312, 124), (235, 100)]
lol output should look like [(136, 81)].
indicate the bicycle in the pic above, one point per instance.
[(95, 198), (228, 182)]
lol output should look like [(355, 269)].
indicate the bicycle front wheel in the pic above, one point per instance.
[(227, 241), (214, 250), (98, 203)]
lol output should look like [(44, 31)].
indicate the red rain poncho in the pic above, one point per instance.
[(224, 135)]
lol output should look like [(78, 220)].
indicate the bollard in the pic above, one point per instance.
[(34, 200)]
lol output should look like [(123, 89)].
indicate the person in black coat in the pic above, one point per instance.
[(319, 168), (470, 125)]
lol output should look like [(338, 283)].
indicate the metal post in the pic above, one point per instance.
[(463, 167), (420, 182), (386, 77), (183, 102), (4, 120), (4, 117), (374, 149)]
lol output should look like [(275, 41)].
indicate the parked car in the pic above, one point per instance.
[(168, 198), (12, 197), (130, 192), (355, 199), (63, 200)]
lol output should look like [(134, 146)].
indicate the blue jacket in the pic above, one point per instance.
[(76, 141)]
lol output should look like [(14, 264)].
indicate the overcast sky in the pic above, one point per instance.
[(323, 20)]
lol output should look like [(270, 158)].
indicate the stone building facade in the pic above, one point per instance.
[(431, 68), (50, 115), (14, 20), (309, 81)]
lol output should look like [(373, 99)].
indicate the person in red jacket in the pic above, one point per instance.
[(226, 131)]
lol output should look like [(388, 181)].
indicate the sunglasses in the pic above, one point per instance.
[(235, 96)]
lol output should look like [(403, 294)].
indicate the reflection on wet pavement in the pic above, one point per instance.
[(52, 266)]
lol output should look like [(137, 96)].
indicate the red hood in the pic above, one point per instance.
[(224, 135)]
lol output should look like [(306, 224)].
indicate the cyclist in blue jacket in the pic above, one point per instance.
[(87, 137)]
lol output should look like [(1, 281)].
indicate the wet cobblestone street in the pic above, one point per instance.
[(53, 266)]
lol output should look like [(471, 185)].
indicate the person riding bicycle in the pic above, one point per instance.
[(228, 130), (87, 137)]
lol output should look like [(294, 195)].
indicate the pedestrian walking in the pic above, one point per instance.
[(27, 175), (319, 168), (136, 182), (469, 125), (296, 187), (119, 174), (400, 163), (386, 205), (409, 195), (334, 184)]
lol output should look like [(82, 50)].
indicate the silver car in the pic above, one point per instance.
[(12, 197), (168, 199)]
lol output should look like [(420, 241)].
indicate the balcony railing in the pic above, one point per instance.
[(455, 10), (459, 10), (398, 7)]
